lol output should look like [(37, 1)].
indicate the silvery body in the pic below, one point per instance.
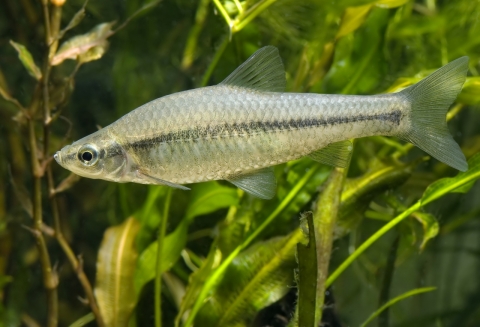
[(235, 130)]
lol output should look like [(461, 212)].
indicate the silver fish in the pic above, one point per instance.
[(239, 129)]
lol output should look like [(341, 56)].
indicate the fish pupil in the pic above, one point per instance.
[(87, 156)]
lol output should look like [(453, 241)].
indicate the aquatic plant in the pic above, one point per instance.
[(394, 237)]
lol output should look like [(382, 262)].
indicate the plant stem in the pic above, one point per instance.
[(50, 280), (192, 40), (46, 17), (255, 11), (158, 276), (74, 262), (325, 217), (213, 64), (224, 12)]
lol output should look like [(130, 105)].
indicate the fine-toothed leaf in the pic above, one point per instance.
[(430, 226), (80, 45), (173, 244), (114, 288), (209, 197), (447, 185), (256, 278), (27, 60), (215, 277)]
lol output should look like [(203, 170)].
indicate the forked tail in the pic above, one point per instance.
[(430, 99)]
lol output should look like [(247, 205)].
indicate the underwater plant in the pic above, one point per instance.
[(391, 238)]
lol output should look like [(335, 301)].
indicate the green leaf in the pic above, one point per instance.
[(76, 19), (470, 92), (4, 280), (447, 185), (82, 321), (27, 60), (81, 47), (94, 53), (430, 226), (353, 19), (395, 300), (114, 288), (209, 197), (256, 278), (390, 3), (173, 245)]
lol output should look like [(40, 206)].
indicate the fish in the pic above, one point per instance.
[(239, 129)]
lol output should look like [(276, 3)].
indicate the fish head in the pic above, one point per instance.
[(96, 156)]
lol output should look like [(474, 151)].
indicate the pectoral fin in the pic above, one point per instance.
[(335, 154), (155, 180), (260, 183)]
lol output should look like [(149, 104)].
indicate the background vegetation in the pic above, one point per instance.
[(78, 251)]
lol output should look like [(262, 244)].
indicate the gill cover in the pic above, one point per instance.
[(95, 156)]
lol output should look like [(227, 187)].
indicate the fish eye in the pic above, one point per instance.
[(88, 155)]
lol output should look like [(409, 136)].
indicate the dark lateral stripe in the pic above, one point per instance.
[(225, 130)]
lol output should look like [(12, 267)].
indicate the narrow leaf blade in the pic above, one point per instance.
[(353, 19), (27, 60)]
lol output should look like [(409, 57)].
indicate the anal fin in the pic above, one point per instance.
[(335, 154), (155, 180), (260, 183)]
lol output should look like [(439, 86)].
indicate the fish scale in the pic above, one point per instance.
[(293, 126), (240, 128)]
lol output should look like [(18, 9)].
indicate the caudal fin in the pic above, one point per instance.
[(430, 99)]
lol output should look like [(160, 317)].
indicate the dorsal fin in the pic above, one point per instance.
[(263, 71)]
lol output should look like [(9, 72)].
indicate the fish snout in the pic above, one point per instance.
[(58, 157)]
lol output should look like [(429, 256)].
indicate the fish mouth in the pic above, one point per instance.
[(58, 158)]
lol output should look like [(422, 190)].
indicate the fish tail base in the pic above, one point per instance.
[(429, 101)]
